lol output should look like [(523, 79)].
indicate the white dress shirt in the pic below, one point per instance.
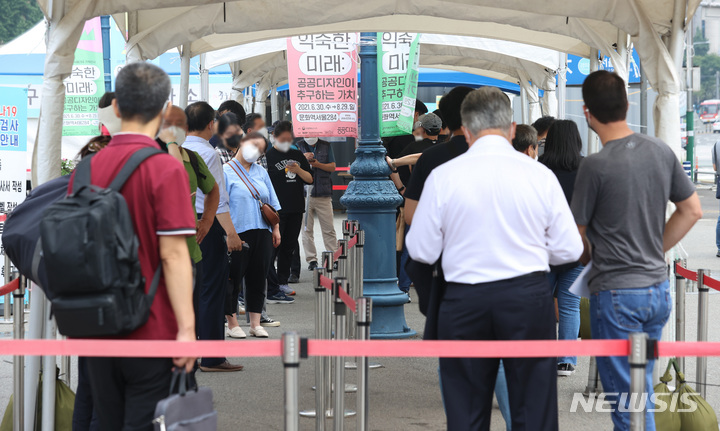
[(212, 160), (494, 214)]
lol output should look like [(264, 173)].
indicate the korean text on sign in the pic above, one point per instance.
[(322, 73)]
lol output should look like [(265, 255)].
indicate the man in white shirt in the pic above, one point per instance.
[(220, 239), (499, 219)]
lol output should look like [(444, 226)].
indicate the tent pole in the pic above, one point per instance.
[(690, 115), (592, 137), (274, 111), (36, 328), (105, 26), (523, 104), (184, 76), (49, 365), (204, 80), (562, 89), (643, 101), (677, 35)]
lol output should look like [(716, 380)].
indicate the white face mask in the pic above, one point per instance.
[(107, 118), (283, 147), (179, 134), (311, 141), (250, 153), (418, 138), (264, 132)]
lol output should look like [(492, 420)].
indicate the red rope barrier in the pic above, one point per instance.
[(347, 299), (353, 242), (339, 187), (711, 283), (326, 282), (349, 348), (685, 273), (337, 254), (10, 287)]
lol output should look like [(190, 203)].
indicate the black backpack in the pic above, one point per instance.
[(90, 255)]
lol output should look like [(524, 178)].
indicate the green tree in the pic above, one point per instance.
[(17, 17), (709, 64)]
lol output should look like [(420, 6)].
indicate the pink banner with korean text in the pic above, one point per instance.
[(322, 71)]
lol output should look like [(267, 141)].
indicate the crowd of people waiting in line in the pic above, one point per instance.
[(507, 233)]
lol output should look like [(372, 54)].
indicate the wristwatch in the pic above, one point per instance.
[(400, 190)]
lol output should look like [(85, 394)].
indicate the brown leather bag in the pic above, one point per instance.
[(269, 214)]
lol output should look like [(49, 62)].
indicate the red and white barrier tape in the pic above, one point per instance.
[(348, 348)]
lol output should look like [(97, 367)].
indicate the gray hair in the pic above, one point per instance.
[(525, 136), (141, 90), (486, 108)]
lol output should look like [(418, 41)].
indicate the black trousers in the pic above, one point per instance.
[(252, 265), (516, 309), (211, 302), (197, 287), (126, 390), (290, 225), (84, 416), (295, 261)]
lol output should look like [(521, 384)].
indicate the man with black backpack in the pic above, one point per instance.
[(157, 196)]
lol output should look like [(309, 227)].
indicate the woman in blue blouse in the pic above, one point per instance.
[(247, 183)]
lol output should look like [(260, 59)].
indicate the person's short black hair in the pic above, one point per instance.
[(525, 136), (141, 90), (199, 115), (282, 127), (106, 99), (450, 106), (234, 107), (252, 136), (250, 121), (439, 114), (605, 96), (562, 146), (542, 124), (420, 107), (225, 121)]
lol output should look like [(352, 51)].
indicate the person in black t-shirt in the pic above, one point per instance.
[(289, 171), (438, 154)]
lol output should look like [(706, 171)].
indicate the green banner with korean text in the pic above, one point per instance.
[(86, 84), (398, 72)]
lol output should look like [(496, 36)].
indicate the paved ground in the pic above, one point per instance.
[(404, 395)]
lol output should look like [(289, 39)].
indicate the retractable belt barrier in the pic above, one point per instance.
[(704, 284)]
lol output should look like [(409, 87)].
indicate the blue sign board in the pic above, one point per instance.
[(579, 68)]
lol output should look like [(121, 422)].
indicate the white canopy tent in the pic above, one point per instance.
[(656, 27), (265, 63)]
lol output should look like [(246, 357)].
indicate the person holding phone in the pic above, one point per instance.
[(289, 171)]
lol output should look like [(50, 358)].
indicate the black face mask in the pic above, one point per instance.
[(233, 142)]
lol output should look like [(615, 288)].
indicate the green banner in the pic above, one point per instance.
[(85, 85), (398, 71)]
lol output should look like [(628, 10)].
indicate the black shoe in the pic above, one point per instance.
[(312, 265), (565, 370), (293, 279), (718, 254)]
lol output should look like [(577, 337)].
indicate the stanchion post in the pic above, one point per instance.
[(340, 320), (638, 363), (291, 363), (6, 299), (19, 361), (680, 284), (702, 332), (327, 260), (343, 266), (320, 321), (364, 317)]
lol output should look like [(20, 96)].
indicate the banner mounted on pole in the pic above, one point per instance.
[(322, 72), (86, 83), (398, 72)]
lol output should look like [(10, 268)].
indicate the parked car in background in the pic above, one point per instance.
[(716, 126)]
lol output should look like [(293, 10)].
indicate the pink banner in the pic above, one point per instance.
[(322, 71)]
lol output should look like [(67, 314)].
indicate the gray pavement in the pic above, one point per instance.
[(404, 395)]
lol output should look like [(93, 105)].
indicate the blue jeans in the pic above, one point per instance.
[(614, 314), (568, 307)]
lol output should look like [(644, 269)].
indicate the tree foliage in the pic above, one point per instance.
[(17, 17)]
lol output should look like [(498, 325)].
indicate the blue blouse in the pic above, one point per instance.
[(244, 208)]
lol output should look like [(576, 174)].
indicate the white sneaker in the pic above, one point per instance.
[(235, 332), (259, 332)]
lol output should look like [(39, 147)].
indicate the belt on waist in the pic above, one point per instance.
[(506, 280)]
